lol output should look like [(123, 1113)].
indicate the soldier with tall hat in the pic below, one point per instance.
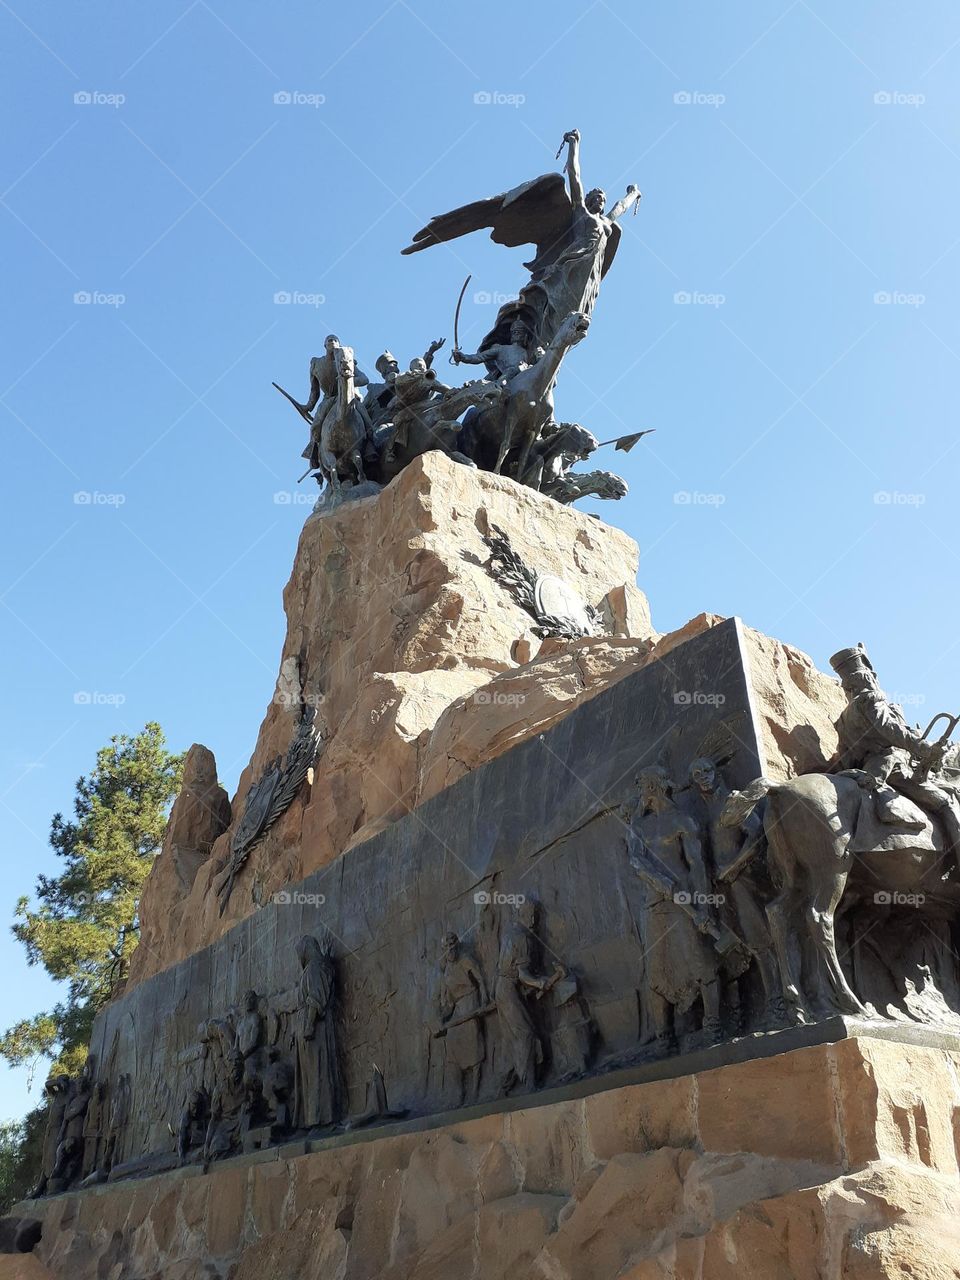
[(380, 394), (879, 748)]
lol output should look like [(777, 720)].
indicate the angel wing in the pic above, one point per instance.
[(537, 212)]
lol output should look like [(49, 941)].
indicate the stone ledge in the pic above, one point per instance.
[(841, 1150)]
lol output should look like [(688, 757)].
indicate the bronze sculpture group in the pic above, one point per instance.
[(364, 432), (735, 895)]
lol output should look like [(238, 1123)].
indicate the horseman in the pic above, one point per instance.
[(380, 394), (323, 394), (879, 749)]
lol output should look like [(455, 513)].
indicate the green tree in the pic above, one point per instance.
[(21, 1156), (84, 926)]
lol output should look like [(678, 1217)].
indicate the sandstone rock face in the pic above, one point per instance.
[(820, 1164), (200, 814), (391, 619)]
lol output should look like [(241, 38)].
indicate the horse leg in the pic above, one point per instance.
[(820, 915), (780, 912), (525, 454), (330, 465), (506, 440)]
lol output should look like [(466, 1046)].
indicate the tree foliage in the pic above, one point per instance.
[(21, 1156), (83, 926)]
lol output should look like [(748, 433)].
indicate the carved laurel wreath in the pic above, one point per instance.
[(516, 577)]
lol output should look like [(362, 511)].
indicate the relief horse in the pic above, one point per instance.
[(818, 855)]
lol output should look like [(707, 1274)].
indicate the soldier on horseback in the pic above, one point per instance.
[(879, 749)]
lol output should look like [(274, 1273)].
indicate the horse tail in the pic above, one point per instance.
[(741, 804)]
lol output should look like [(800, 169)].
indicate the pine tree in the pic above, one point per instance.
[(84, 927)]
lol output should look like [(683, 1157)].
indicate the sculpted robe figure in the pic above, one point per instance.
[(70, 1150), (520, 1042), (571, 280), (461, 995), (57, 1092), (681, 965), (250, 1033), (732, 848), (319, 1084), (224, 1130), (572, 1041), (576, 243)]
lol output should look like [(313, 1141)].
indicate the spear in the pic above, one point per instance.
[(301, 409)]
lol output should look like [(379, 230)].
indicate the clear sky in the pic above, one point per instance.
[(799, 164)]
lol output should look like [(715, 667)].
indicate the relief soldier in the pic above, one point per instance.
[(682, 966), (520, 1042), (463, 1001), (319, 1083)]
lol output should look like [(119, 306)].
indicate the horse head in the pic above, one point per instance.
[(573, 329), (577, 439), (346, 363)]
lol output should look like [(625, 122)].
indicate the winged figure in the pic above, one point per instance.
[(576, 242)]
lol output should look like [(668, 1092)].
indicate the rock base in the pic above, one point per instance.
[(836, 1160)]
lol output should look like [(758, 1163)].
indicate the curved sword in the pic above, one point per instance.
[(456, 319)]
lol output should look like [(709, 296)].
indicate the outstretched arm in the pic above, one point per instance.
[(431, 351), (572, 139), (488, 353), (625, 202)]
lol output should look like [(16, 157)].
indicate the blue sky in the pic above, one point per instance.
[(799, 164)]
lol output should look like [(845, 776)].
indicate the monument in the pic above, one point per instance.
[(534, 942)]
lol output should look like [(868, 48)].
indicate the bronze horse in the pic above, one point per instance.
[(817, 857)]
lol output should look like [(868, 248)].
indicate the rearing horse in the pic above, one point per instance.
[(527, 406)]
